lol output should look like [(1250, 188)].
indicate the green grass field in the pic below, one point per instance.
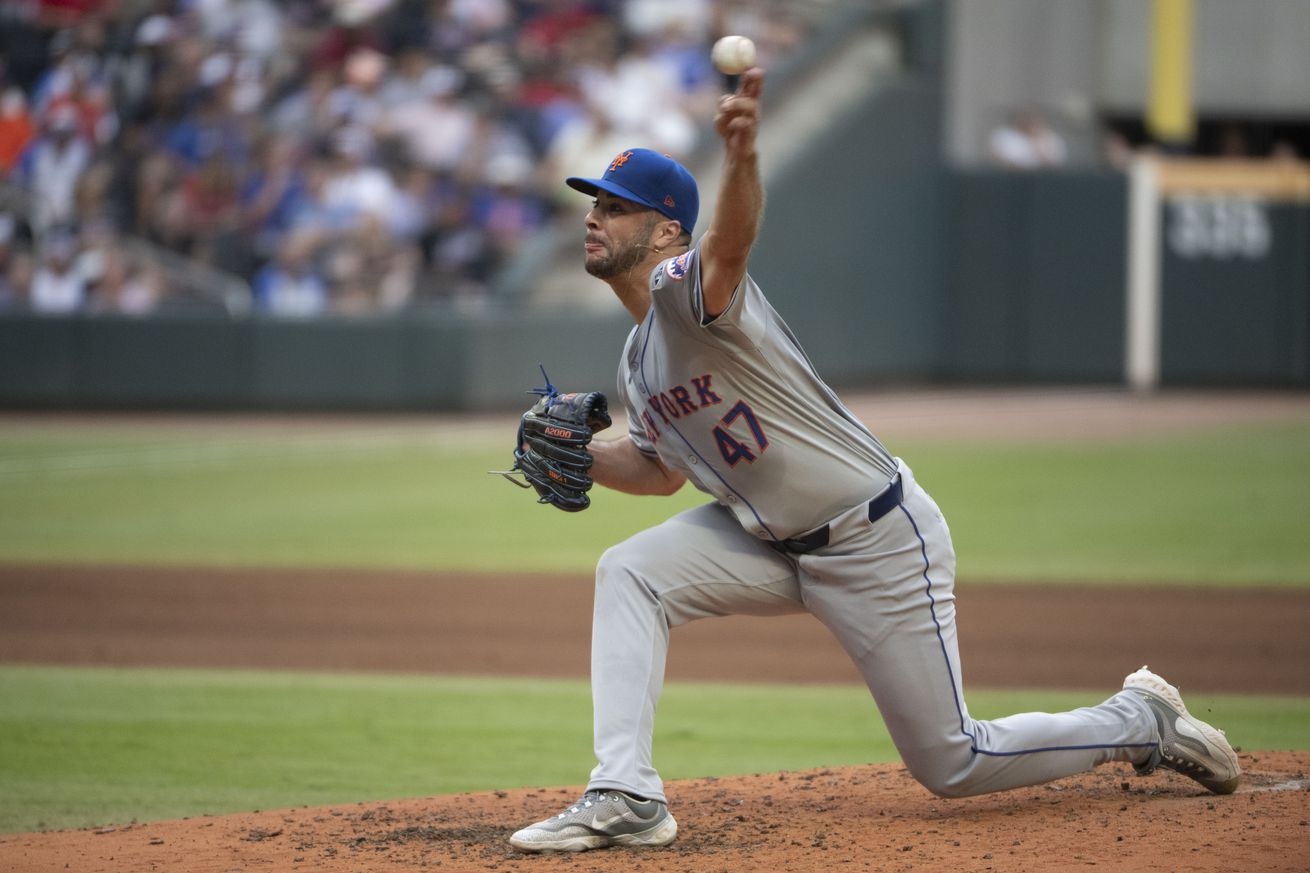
[(93, 746), (1221, 507)]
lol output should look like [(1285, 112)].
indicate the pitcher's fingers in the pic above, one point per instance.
[(751, 83)]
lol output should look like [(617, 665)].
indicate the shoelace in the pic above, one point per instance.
[(585, 803)]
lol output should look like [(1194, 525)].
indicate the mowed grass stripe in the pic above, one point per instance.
[(80, 747), (1226, 506), (76, 456), (1221, 507)]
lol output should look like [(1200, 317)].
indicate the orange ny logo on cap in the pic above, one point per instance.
[(620, 161)]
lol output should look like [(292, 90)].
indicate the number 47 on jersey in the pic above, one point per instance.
[(736, 450)]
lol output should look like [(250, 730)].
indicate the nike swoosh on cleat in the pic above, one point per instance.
[(600, 824)]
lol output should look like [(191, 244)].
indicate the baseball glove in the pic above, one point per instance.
[(551, 449)]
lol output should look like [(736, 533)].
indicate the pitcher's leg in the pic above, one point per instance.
[(892, 606), (697, 564)]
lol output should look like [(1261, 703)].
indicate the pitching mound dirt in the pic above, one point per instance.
[(859, 818)]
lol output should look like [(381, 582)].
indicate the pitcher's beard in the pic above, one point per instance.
[(615, 264)]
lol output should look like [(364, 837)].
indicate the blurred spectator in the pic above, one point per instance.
[(115, 283), (307, 112), (61, 13), (120, 288), (16, 128), (506, 207), (157, 181), (291, 285), (76, 55), (777, 27), (90, 102), (1027, 142), (58, 288), (411, 215), (357, 101), (683, 51), (251, 27), (367, 272), (649, 18), (1233, 142), (351, 30), (211, 128), (405, 84), (16, 280), (1116, 150), (51, 166), (143, 61), (436, 128), (587, 142), (206, 207), (91, 197), (355, 187), (459, 253), (1284, 150), (641, 93), (272, 192), (348, 156), (15, 266)]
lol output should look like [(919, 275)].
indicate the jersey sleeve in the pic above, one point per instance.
[(676, 295)]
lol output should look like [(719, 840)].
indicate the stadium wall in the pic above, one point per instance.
[(898, 271), (1036, 277), (416, 362)]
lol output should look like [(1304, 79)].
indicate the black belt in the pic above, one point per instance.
[(889, 499)]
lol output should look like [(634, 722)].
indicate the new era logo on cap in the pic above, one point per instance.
[(651, 179)]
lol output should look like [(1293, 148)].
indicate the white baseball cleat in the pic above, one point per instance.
[(1187, 744), (599, 819)]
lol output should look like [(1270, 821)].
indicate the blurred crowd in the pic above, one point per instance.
[(343, 156)]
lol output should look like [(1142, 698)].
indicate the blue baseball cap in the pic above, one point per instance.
[(651, 179)]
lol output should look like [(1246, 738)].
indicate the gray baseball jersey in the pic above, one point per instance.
[(736, 405)]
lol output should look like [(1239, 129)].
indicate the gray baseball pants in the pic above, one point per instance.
[(885, 590)]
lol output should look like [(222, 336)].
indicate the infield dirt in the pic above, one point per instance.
[(1030, 635)]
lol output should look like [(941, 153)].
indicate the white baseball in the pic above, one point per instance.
[(733, 55)]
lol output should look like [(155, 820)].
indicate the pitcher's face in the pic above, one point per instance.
[(618, 235)]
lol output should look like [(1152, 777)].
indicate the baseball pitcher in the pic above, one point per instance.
[(809, 513)]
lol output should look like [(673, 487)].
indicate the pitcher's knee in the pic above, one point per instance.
[(619, 574), (946, 771), (617, 564)]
